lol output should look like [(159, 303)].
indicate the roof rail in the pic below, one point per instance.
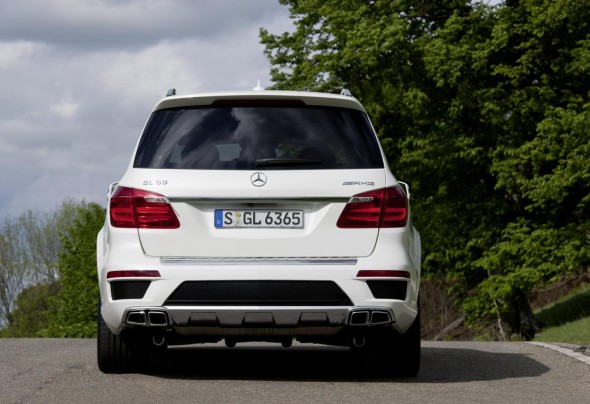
[(170, 92), (346, 92)]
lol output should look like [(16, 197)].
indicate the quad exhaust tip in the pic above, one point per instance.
[(359, 318), (147, 318)]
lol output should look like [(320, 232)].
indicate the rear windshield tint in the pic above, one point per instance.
[(255, 137)]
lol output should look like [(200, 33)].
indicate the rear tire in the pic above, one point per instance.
[(117, 353), (395, 354), (409, 350)]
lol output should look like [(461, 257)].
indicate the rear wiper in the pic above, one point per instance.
[(278, 162)]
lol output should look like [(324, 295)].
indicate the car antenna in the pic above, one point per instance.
[(258, 87)]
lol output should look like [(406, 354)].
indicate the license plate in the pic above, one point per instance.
[(282, 219)]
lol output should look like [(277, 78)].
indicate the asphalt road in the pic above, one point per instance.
[(64, 371)]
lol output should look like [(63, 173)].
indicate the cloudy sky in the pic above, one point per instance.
[(78, 79)]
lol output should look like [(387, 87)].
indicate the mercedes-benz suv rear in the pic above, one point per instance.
[(259, 216)]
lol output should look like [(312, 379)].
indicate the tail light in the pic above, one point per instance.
[(134, 208), (387, 207)]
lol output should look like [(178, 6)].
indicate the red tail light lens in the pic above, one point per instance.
[(386, 207), (395, 208), (134, 208)]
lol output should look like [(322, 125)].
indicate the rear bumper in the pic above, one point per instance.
[(358, 305), (249, 318)]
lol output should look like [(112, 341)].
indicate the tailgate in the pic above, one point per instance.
[(316, 196)]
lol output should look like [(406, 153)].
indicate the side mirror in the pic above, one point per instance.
[(406, 188)]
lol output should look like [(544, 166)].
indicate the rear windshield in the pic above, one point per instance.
[(258, 137)]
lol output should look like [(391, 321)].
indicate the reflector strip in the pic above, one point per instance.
[(383, 274), (133, 274)]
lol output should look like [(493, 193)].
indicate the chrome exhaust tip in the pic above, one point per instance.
[(136, 318), (157, 318), (359, 318), (380, 317)]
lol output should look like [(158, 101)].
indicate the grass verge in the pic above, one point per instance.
[(575, 332), (567, 320)]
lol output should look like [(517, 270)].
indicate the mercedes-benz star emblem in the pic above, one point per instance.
[(258, 179)]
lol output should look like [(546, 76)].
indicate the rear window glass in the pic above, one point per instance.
[(258, 137)]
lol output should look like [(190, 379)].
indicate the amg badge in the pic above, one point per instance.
[(369, 183)]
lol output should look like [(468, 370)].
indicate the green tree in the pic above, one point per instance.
[(75, 314), (32, 308), (541, 104), (29, 247), (484, 109)]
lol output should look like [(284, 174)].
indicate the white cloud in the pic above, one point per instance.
[(66, 108), (127, 23), (79, 78), (11, 53)]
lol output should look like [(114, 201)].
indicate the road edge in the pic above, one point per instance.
[(566, 351)]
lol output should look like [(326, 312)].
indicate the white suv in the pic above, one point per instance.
[(259, 216)]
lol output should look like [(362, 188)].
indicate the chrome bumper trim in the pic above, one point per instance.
[(261, 261), (330, 199)]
